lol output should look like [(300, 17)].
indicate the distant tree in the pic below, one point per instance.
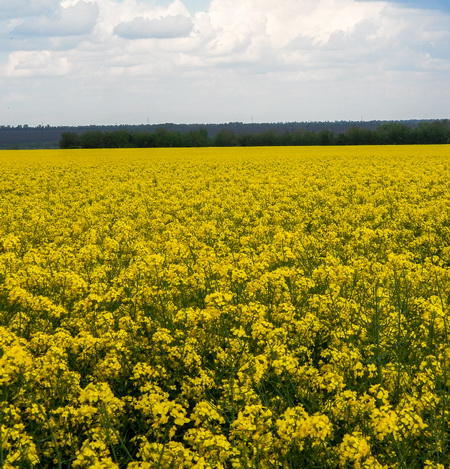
[(286, 138), (433, 132), (143, 140), (167, 138), (69, 140), (232, 134), (297, 137), (196, 138), (310, 138), (268, 138), (326, 137), (93, 139), (118, 139), (246, 139), (225, 138), (357, 136), (394, 133)]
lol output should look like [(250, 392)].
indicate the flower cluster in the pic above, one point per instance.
[(225, 308)]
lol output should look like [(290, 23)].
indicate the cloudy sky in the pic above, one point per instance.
[(76, 62)]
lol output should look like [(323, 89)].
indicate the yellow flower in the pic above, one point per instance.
[(354, 448)]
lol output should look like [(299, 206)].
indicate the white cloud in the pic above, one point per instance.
[(74, 20), (282, 34), (20, 8), (36, 64), (163, 28), (284, 21), (274, 57)]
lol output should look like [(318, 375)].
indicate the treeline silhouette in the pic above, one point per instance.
[(390, 133)]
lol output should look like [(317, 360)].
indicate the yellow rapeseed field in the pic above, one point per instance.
[(225, 308)]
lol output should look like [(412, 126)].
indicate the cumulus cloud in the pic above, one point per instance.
[(270, 36), (20, 8), (284, 21), (75, 20), (164, 28), (293, 35), (261, 54), (36, 64)]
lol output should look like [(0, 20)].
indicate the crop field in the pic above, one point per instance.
[(225, 308)]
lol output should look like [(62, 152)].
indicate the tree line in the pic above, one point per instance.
[(389, 133)]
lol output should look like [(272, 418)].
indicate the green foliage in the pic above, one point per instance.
[(390, 133), (69, 140)]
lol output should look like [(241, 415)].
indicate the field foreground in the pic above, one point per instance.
[(225, 308)]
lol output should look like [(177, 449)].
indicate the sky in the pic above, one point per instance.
[(83, 62)]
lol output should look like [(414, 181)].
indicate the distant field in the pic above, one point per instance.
[(282, 307)]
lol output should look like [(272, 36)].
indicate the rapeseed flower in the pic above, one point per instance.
[(215, 308)]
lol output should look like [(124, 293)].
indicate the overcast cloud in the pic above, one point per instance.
[(161, 28), (133, 61), (73, 20)]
